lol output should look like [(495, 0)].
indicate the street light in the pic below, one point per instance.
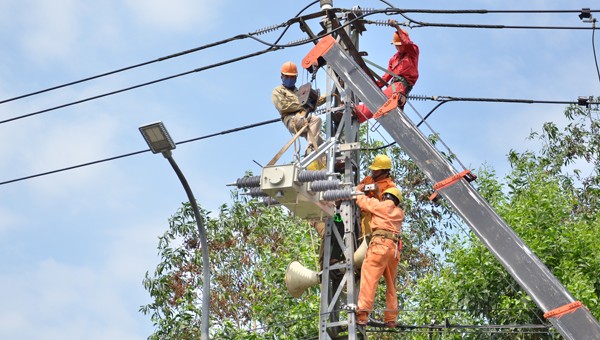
[(159, 141), (586, 15)]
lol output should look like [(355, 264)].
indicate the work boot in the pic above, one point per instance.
[(390, 324)]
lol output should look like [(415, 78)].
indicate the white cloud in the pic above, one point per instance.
[(59, 300), (79, 140), (175, 15), (50, 28), (8, 220)]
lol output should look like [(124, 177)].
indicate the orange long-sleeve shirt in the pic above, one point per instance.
[(382, 185), (386, 215)]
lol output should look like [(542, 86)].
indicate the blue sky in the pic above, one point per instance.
[(74, 246)]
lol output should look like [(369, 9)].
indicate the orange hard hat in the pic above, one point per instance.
[(289, 69), (396, 39)]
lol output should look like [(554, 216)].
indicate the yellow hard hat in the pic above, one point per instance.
[(289, 69), (316, 165), (394, 192), (381, 162)]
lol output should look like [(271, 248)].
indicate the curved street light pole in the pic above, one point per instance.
[(159, 141)]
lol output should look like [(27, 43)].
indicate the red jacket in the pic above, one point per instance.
[(386, 215)]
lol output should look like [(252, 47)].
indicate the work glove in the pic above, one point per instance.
[(321, 100)]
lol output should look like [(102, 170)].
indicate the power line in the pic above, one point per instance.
[(138, 152), (484, 11), (271, 48), (171, 56), (200, 69), (445, 99), (395, 10), (175, 55), (442, 99), (275, 45), (167, 57)]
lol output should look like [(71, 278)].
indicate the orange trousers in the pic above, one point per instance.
[(381, 260)]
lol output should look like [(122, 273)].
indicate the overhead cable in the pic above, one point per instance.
[(139, 152), (170, 56), (272, 47), (287, 24), (200, 69), (445, 99), (174, 55), (397, 10)]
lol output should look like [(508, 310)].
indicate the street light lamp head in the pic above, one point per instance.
[(586, 15), (158, 138)]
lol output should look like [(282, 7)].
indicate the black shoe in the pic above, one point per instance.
[(339, 166)]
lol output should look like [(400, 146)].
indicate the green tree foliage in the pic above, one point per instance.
[(551, 199), (552, 207), (250, 247)]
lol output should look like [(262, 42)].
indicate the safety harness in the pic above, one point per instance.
[(389, 236), (386, 234)]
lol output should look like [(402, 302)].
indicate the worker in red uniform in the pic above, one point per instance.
[(405, 67), (383, 254), (375, 184)]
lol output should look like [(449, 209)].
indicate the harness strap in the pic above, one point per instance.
[(286, 146), (395, 77), (562, 310), (466, 174), (385, 234)]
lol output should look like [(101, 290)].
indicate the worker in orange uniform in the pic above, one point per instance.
[(383, 254), (374, 186), (404, 69), (293, 115)]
